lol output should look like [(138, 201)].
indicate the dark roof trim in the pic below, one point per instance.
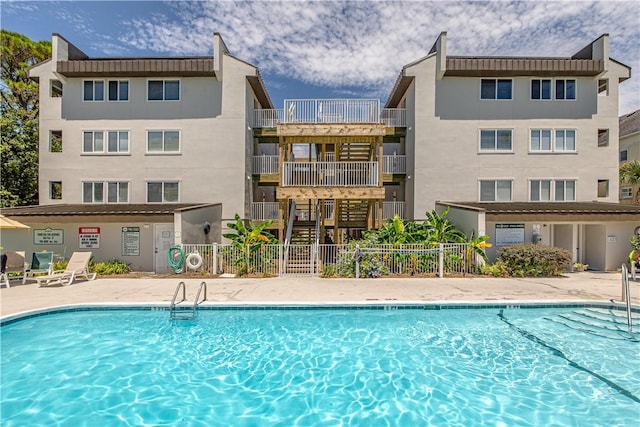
[(398, 91), (514, 66), (137, 67), (557, 208), (102, 209)]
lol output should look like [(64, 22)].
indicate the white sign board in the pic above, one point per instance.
[(89, 237), (130, 241), (48, 237), (509, 234)]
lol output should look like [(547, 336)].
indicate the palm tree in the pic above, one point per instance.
[(630, 173), (439, 229)]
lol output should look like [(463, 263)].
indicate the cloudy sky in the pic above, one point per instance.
[(336, 49)]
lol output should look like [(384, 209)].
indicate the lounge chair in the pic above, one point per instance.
[(78, 266), (41, 263), (12, 262)]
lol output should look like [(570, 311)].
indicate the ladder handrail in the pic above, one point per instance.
[(626, 296), (172, 306), (195, 301)]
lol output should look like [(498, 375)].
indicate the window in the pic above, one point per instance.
[(603, 87), (55, 89), (603, 137), (541, 89), (118, 90), (626, 192), (55, 190), (565, 140), (603, 188), (540, 190), (93, 90), (117, 142), (565, 89), (94, 142), (92, 192), (163, 192), (117, 192), (163, 90), (163, 141), (540, 140), (495, 89), (495, 190), (565, 190), (55, 141), (495, 140), (624, 156)]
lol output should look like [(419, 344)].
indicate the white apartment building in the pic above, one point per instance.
[(629, 152), (522, 149)]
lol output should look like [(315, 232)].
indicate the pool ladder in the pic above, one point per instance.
[(186, 312)]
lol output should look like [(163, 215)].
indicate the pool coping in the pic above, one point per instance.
[(301, 305)]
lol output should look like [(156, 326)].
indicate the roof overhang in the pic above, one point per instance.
[(137, 67), (506, 67), (398, 91), (551, 211)]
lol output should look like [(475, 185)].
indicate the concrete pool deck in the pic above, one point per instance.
[(585, 286)]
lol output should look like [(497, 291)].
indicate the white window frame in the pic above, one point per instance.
[(164, 90), (626, 192), (164, 151), (556, 181), (551, 86), (552, 189), (495, 189), (495, 92), (93, 94), (163, 183), (555, 140), (564, 98), (540, 130), (53, 88), (119, 90), (117, 183), (105, 142), (94, 185), (495, 148)]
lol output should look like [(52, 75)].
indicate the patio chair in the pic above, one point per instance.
[(78, 265), (12, 262), (41, 263)]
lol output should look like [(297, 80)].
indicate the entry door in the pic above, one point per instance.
[(164, 240)]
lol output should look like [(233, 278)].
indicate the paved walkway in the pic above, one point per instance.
[(585, 286)]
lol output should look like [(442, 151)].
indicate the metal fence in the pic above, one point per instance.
[(330, 174), (346, 260), (330, 111)]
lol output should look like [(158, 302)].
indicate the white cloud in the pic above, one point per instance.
[(365, 44)]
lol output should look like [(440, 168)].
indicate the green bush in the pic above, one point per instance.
[(497, 269), (531, 260), (111, 267)]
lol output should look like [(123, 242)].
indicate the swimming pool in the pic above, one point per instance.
[(369, 366)]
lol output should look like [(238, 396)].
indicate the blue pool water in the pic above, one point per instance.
[(322, 367)]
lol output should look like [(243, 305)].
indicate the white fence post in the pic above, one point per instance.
[(215, 258), (441, 261)]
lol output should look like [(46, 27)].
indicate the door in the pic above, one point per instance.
[(163, 241)]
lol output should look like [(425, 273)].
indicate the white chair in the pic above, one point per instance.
[(78, 265)]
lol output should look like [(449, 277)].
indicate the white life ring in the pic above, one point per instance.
[(194, 261)]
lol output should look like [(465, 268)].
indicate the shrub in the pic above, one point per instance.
[(531, 260), (112, 267), (497, 269)]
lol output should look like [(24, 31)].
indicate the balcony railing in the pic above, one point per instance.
[(265, 165), (330, 111), (391, 209), (394, 164), (264, 211), (330, 174)]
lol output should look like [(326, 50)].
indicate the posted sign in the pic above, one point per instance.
[(89, 237), (509, 234), (48, 236), (130, 241)]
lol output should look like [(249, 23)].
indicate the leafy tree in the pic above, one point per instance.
[(630, 172), (248, 238), (396, 231), (19, 121), (439, 229)]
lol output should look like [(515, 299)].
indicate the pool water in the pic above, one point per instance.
[(320, 367)]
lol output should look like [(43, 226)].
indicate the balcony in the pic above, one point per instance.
[(394, 164), (264, 211), (265, 165), (330, 174), (323, 111)]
